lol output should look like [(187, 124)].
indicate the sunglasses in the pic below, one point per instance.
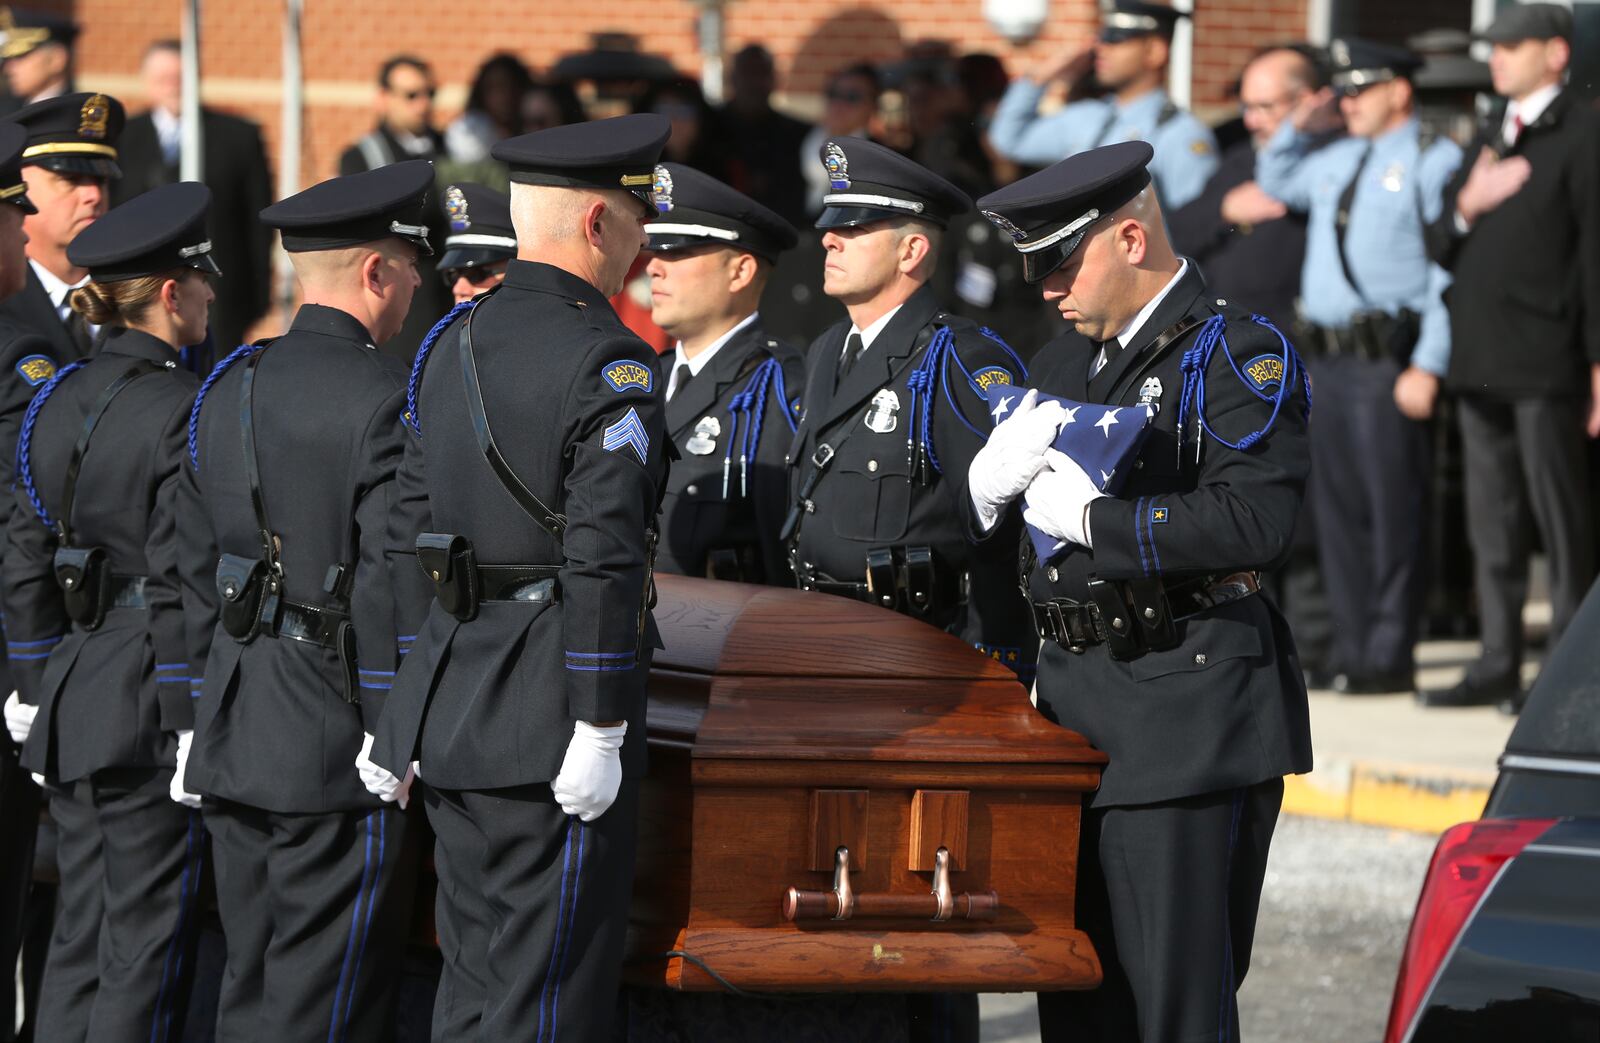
[(849, 97), (476, 276), (425, 92)]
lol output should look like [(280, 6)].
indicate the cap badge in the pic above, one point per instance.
[(661, 189), (94, 115), (1339, 51), (1006, 225), (455, 208), (838, 167)]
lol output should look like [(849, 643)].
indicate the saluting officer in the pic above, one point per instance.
[(733, 392), (93, 605), (1159, 648), (894, 410), (481, 241), (1377, 335), (291, 583), (523, 696)]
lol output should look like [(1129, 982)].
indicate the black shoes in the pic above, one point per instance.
[(1504, 692), (1387, 683)]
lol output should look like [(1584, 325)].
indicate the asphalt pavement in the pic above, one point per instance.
[(1334, 913)]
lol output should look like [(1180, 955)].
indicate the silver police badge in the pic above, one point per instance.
[(704, 440), (1150, 393), (1394, 178), (1006, 225), (883, 415), (661, 189), (838, 167)]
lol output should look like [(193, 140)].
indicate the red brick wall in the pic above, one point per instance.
[(344, 41)]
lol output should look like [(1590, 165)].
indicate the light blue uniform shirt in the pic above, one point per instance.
[(1186, 153), (1400, 189)]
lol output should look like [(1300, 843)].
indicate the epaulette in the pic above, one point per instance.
[(409, 418), (934, 368), (25, 439), (1282, 368), (242, 351)]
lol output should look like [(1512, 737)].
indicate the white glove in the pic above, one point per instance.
[(19, 718), (591, 772), (176, 789), (1013, 455), (1058, 500), (380, 781)]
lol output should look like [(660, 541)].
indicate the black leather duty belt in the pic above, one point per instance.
[(128, 592), (904, 579), (1079, 626), (312, 624), (524, 583)]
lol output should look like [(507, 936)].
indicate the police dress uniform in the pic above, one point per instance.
[(1372, 304), (293, 640), (1186, 151), (878, 467), (732, 410), (93, 607), (1199, 703), (531, 632)]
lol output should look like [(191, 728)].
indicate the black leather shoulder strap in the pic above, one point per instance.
[(140, 368), (252, 468)]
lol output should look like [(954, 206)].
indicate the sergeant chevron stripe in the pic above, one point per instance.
[(627, 433)]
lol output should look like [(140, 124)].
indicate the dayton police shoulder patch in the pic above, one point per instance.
[(991, 376), (625, 374), (36, 369), (627, 433), (1263, 374)]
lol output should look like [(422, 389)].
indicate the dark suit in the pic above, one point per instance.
[(235, 168), (869, 498), (110, 699), (1199, 735), (303, 852), (1525, 330), (380, 148), (488, 705), (720, 516)]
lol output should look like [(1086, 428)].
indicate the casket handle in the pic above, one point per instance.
[(939, 905)]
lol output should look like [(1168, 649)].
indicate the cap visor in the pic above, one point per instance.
[(93, 166), (850, 216), (471, 257), (1111, 35), (23, 203), (1040, 263)]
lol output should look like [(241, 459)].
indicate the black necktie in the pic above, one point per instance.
[(1106, 351), (680, 378), (78, 330), (854, 348)]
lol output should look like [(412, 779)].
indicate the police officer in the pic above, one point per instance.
[(1378, 339), (523, 696), (1130, 62), (1159, 648), (92, 592), (480, 242), (894, 408), (291, 582), (37, 50), (733, 393)]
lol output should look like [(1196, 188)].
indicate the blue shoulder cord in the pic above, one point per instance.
[(25, 439), (935, 364), (1198, 358), (238, 353), (750, 407), (409, 417)]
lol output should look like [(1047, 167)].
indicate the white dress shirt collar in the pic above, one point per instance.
[(870, 334), (57, 289), (1529, 108), (1133, 328), (704, 357)]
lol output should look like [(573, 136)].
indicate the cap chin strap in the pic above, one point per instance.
[(864, 199), (505, 242), (706, 231), (195, 250), (1059, 234), (414, 231), (1124, 20)]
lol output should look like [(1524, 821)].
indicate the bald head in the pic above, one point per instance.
[(1272, 84), (594, 234), (373, 282)]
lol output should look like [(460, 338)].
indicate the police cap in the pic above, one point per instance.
[(1359, 64), (1530, 22), (1126, 19), (698, 210), (1048, 214), (479, 230), (620, 152), (22, 30), (13, 139), (868, 182), (162, 229), (73, 134), (384, 203)]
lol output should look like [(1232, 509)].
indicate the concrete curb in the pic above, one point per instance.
[(1420, 797)]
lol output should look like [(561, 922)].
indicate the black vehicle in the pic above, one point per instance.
[(1505, 943)]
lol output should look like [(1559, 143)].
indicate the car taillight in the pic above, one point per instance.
[(1466, 860)]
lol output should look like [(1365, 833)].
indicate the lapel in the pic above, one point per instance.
[(726, 367), (875, 368), (1174, 307), (1548, 118)]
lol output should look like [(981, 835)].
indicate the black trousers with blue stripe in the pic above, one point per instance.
[(531, 914), (1168, 893), (315, 909), (122, 949)]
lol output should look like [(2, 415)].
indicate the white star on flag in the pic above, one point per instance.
[(999, 410), (1072, 415), (1105, 422)]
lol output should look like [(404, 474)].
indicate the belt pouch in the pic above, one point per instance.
[(84, 576), (451, 564), (242, 584)]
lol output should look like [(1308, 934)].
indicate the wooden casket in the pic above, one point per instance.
[(842, 799)]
